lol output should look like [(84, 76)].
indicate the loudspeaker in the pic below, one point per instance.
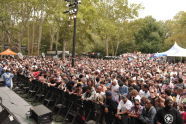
[(41, 114)]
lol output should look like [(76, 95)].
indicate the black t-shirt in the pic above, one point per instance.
[(171, 116), (111, 105)]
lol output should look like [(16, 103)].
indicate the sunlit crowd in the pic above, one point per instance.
[(135, 89)]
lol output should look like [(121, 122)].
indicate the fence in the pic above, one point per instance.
[(67, 105)]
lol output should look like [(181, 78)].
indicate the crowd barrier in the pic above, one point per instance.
[(67, 105), (70, 106)]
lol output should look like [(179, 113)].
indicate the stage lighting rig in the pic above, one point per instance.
[(72, 11)]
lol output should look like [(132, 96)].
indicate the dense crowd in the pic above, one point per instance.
[(136, 90)]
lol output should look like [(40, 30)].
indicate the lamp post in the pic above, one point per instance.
[(74, 44), (73, 9)]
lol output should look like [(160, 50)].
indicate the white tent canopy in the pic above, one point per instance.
[(174, 51)]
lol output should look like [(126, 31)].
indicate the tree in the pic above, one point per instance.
[(176, 30), (150, 37)]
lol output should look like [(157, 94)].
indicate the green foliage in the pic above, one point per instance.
[(177, 30), (110, 28), (150, 36)]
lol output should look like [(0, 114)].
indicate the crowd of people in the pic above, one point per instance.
[(140, 90)]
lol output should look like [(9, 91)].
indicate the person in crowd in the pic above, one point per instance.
[(99, 97), (183, 111), (148, 113), (78, 90), (180, 83), (135, 112), (122, 90), (143, 101), (144, 92), (89, 94), (123, 109), (168, 94), (140, 78), (7, 77), (108, 84), (114, 90), (1, 70), (159, 103), (110, 108), (167, 85), (168, 115), (70, 86), (153, 96), (134, 95), (182, 97)]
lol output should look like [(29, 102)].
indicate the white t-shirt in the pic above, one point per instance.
[(114, 90), (124, 106), (143, 94), (138, 98)]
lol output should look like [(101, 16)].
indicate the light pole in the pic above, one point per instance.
[(73, 9), (74, 44)]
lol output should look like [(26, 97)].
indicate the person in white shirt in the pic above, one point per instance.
[(99, 96), (144, 92), (123, 109), (135, 95), (114, 91), (89, 94)]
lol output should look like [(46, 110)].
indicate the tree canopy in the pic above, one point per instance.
[(111, 27)]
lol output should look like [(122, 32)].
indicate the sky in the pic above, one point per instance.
[(161, 9)]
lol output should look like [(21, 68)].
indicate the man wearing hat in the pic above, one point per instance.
[(110, 108)]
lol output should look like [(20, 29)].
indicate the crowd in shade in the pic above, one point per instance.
[(140, 90)]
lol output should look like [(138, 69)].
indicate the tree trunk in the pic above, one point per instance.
[(57, 39), (64, 46), (40, 32), (106, 47), (2, 40), (52, 39), (33, 38), (28, 39), (117, 46), (112, 50), (20, 38), (9, 40)]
